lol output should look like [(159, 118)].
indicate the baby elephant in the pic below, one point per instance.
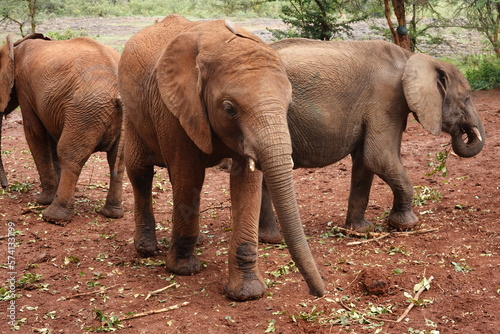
[(354, 98), (70, 105)]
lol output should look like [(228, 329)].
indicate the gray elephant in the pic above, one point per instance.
[(70, 105), (194, 93), (354, 98)]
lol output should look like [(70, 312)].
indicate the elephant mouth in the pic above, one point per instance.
[(468, 141)]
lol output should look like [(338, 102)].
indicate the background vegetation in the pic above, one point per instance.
[(408, 22)]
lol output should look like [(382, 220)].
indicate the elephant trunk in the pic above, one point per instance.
[(3, 176), (276, 164), (474, 141)]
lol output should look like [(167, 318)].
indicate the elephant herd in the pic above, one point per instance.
[(186, 95)]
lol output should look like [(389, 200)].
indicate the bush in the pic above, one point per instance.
[(483, 72)]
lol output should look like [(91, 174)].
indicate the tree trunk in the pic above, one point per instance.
[(400, 34)]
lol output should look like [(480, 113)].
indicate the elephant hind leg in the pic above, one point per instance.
[(71, 156), (113, 207), (268, 227), (361, 183), (38, 142)]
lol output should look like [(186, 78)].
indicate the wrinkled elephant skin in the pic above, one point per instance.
[(194, 93), (354, 98), (70, 105)]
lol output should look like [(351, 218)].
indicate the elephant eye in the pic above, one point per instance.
[(230, 109)]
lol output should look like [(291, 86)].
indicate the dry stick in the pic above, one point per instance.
[(381, 236), (368, 240), (159, 290), (414, 298), (142, 314), (91, 292)]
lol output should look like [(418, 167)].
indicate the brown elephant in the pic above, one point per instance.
[(193, 94), (354, 98), (70, 105)]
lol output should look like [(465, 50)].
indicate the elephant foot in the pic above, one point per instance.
[(45, 198), (403, 220), (246, 289), (185, 266), (112, 211), (270, 235), (361, 226), (57, 213), (146, 247)]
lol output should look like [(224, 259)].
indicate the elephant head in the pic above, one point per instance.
[(225, 85), (439, 96)]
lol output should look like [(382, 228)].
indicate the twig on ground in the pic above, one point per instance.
[(91, 292), (368, 240), (143, 314), (159, 290), (417, 295), (388, 234)]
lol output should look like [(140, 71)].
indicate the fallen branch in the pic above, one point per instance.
[(143, 314), (159, 290), (91, 292), (368, 240), (384, 235), (417, 295)]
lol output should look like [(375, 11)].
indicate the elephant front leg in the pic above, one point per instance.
[(268, 227), (141, 179), (245, 281), (401, 216), (186, 185)]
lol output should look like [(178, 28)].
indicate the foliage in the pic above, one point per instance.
[(21, 13), (318, 19), (108, 323), (439, 163), (423, 194), (484, 16), (68, 34), (483, 72)]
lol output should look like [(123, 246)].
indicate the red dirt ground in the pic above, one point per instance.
[(459, 247), (67, 275)]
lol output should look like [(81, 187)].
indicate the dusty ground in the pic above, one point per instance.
[(66, 276)]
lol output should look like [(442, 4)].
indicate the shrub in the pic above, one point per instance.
[(483, 72)]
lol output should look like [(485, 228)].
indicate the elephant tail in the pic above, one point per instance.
[(121, 138)]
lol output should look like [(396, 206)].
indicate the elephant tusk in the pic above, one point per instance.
[(293, 164), (251, 165), (477, 133)]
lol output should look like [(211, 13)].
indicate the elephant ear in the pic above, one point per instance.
[(6, 72), (179, 81), (424, 86)]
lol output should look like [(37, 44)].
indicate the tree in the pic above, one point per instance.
[(400, 34), (320, 19), (483, 15), (21, 13)]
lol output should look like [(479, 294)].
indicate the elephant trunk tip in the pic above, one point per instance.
[(469, 145)]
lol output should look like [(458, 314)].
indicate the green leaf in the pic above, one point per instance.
[(424, 283)]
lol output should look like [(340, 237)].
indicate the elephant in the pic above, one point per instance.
[(195, 93), (70, 106), (354, 98)]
